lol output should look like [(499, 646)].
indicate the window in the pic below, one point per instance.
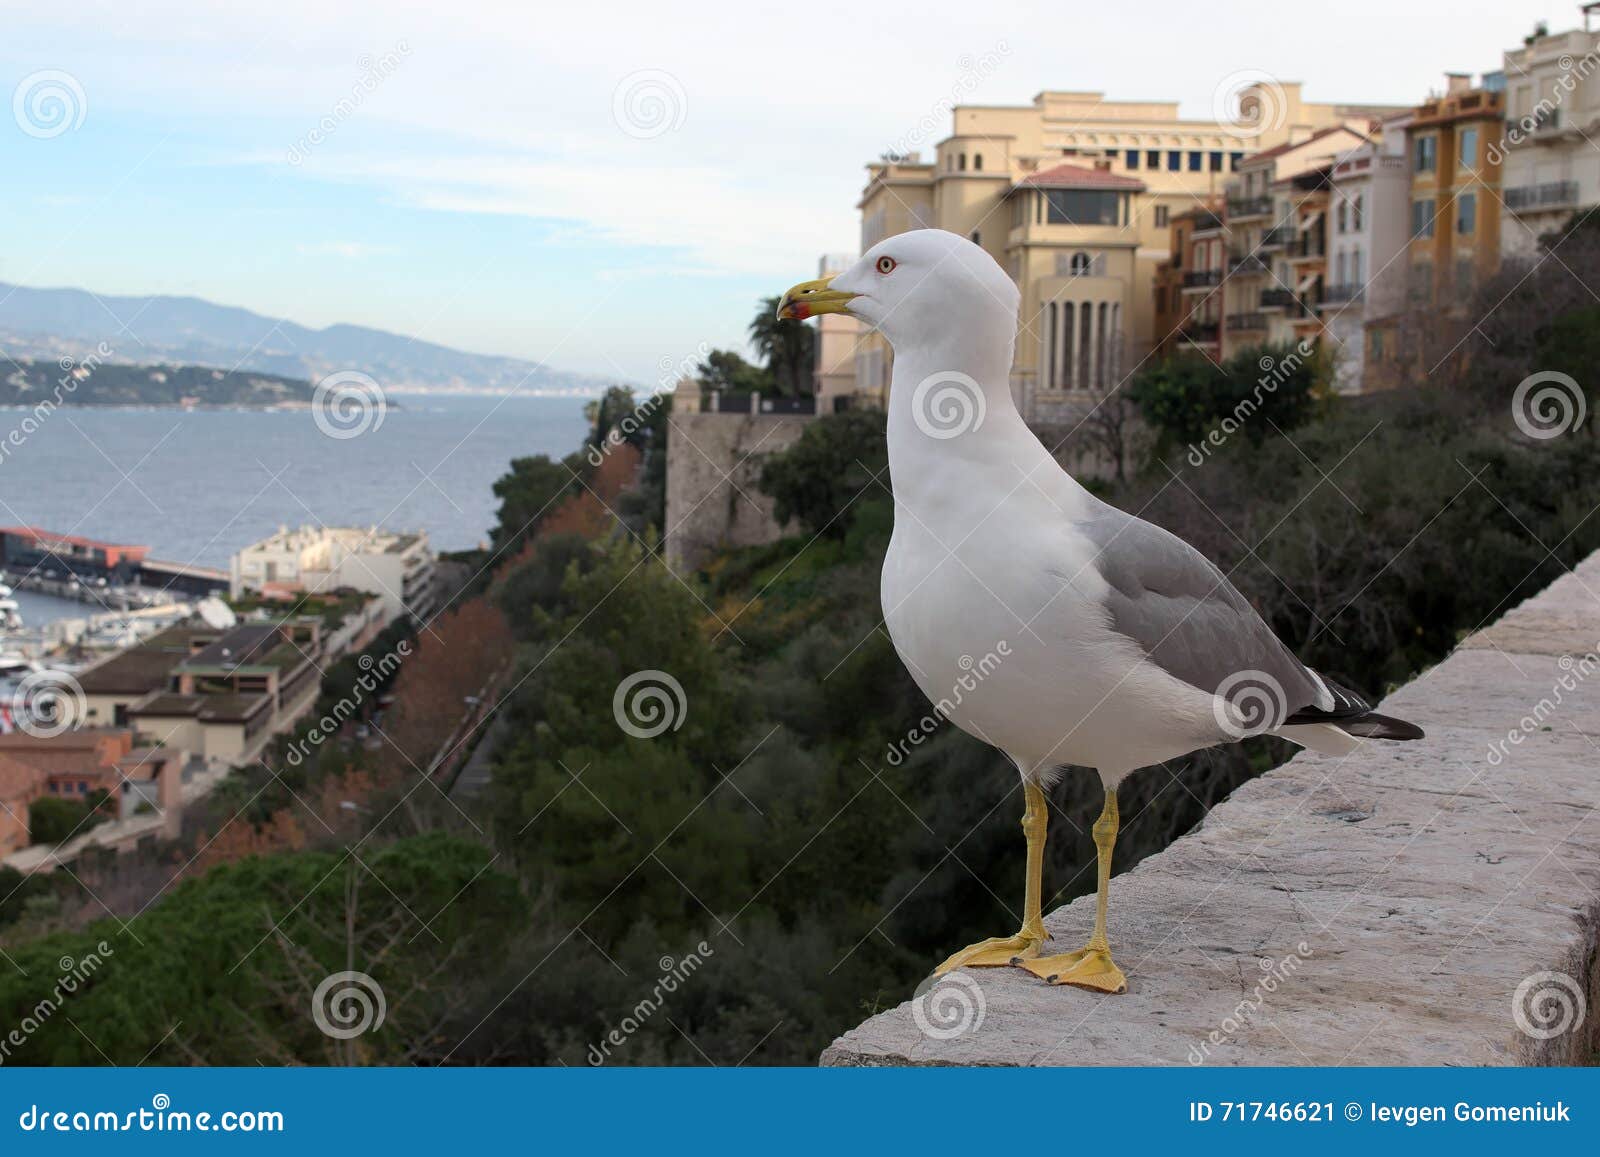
[(1161, 216), (1466, 213), (977, 162), (1233, 161), (1082, 207), (1174, 160), (1422, 217), (961, 163), (1425, 154), (1356, 222), (1468, 152), (1081, 264), (1344, 219), (1132, 159), (1216, 162), (1196, 160), (1152, 158)]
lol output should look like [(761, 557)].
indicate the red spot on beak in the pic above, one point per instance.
[(800, 311)]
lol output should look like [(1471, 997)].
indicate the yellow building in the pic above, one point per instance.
[(1073, 196)]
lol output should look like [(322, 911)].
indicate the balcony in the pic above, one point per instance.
[(1247, 322), (1239, 207), (1280, 236), (1246, 264), (1308, 247), (1202, 278), (1278, 298), (1543, 198), (1342, 294), (1206, 221), (1201, 332)]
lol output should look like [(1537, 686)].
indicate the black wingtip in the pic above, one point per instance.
[(1375, 726)]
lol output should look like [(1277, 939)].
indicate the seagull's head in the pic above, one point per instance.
[(915, 286)]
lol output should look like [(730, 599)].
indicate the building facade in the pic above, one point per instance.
[(1367, 270), (1073, 195), (1550, 167), (397, 567)]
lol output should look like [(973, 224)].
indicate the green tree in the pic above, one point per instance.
[(530, 492), (1190, 400), (787, 346), (727, 370), (817, 481)]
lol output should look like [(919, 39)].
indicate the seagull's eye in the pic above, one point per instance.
[(886, 264)]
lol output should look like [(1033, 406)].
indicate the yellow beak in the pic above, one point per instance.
[(810, 298)]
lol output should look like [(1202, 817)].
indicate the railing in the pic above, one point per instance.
[(1338, 294), (1247, 322), (1552, 194), (1309, 245), (730, 402), (1246, 263), (1249, 206), (1202, 332), (1278, 298), (1201, 278), (1279, 236), (1205, 220)]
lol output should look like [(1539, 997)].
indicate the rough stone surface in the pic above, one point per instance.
[(713, 465), (1380, 908)]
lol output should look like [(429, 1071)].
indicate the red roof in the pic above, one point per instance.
[(47, 537), (1078, 177), (1279, 150)]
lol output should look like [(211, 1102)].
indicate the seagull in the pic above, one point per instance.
[(1055, 627)]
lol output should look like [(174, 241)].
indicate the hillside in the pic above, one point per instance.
[(51, 323), (30, 382)]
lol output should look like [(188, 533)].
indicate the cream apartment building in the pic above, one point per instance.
[(1549, 166), (397, 567), (1072, 195)]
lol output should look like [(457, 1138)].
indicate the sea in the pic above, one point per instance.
[(195, 486)]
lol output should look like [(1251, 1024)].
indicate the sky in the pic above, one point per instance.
[(604, 187)]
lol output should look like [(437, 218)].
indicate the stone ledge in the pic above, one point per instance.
[(1380, 908)]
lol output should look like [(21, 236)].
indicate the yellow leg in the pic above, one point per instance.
[(1091, 966), (1000, 950)]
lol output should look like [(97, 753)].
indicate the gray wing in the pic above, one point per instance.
[(1185, 614)]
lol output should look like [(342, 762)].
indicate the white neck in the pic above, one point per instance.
[(921, 466)]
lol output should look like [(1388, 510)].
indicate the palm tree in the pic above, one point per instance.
[(789, 348)]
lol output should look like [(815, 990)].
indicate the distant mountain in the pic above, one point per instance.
[(51, 323)]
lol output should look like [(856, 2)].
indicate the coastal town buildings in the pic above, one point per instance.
[(398, 567), (1074, 195), (1550, 167), (78, 766), (218, 694)]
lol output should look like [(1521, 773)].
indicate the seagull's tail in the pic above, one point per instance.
[(1341, 730)]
